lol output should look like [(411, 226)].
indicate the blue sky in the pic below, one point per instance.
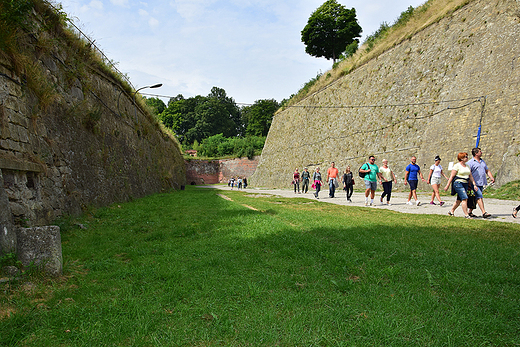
[(250, 48)]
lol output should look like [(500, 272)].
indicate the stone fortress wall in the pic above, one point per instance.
[(91, 146), (426, 96)]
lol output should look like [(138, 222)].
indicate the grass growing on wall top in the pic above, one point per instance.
[(431, 12), (26, 35), (191, 268)]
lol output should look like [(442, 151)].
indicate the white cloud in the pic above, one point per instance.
[(122, 3), (153, 22), (191, 9), (95, 5), (250, 48)]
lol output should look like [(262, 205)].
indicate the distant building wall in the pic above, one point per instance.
[(217, 171)]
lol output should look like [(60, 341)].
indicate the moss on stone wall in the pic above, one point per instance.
[(71, 125)]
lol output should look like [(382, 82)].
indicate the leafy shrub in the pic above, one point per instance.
[(404, 17), (378, 35), (220, 146)]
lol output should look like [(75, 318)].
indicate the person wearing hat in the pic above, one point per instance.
[(306, 176), (435, 180)]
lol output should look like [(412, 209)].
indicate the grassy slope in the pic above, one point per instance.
[(191, 268), (425, 15)]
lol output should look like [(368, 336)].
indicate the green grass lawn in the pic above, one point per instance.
[(191, 268)]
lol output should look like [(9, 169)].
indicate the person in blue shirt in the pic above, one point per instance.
[(480, 171), (411, 177)]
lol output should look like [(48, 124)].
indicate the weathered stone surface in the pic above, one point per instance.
[(419, 98), (11, 271), (76, 93), (81, 148), (7, 231), (41, 246)]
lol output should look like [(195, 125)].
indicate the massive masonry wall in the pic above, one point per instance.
[(419, 98), (90, 147)]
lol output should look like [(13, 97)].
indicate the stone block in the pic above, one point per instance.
[(41, 246), (14, 145), (13, 132), (5, 132), (7, 231), (23, 134), (49, 63), (77, 93), (18, 119)]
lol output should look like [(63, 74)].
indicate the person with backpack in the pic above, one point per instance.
[(370, 174)]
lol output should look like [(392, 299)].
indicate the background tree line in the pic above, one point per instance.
[(215, 125)]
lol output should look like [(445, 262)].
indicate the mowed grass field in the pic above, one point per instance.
[(203, 267)]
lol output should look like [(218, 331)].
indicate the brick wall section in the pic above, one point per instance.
[(202, 171), (217, 171)]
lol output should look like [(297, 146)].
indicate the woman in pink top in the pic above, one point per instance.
[(296, 180)]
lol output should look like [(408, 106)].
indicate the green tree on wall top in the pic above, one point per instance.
[(330, 29)]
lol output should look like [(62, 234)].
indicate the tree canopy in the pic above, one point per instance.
[(330, 29), (201, 117), (258, 117)]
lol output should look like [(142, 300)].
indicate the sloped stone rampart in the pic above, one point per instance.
[(90, 146), (426, 96)]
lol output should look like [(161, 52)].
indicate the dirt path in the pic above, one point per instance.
[(500, 209)]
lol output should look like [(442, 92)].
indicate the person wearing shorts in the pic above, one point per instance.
[(479, 170), (434, 179), (461, 177), (372, 174), (411, 177)]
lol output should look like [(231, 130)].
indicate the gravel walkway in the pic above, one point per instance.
[(500, 210)]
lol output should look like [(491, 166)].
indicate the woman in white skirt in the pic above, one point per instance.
[(435, 180)]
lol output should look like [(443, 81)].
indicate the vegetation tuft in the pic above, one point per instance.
[(509, 191), (37, 26), (191, 268), (410, 22)]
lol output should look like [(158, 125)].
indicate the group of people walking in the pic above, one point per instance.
[(238, 182), (467, 178)]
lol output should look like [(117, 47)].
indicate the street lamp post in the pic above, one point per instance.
[(158, 85)]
